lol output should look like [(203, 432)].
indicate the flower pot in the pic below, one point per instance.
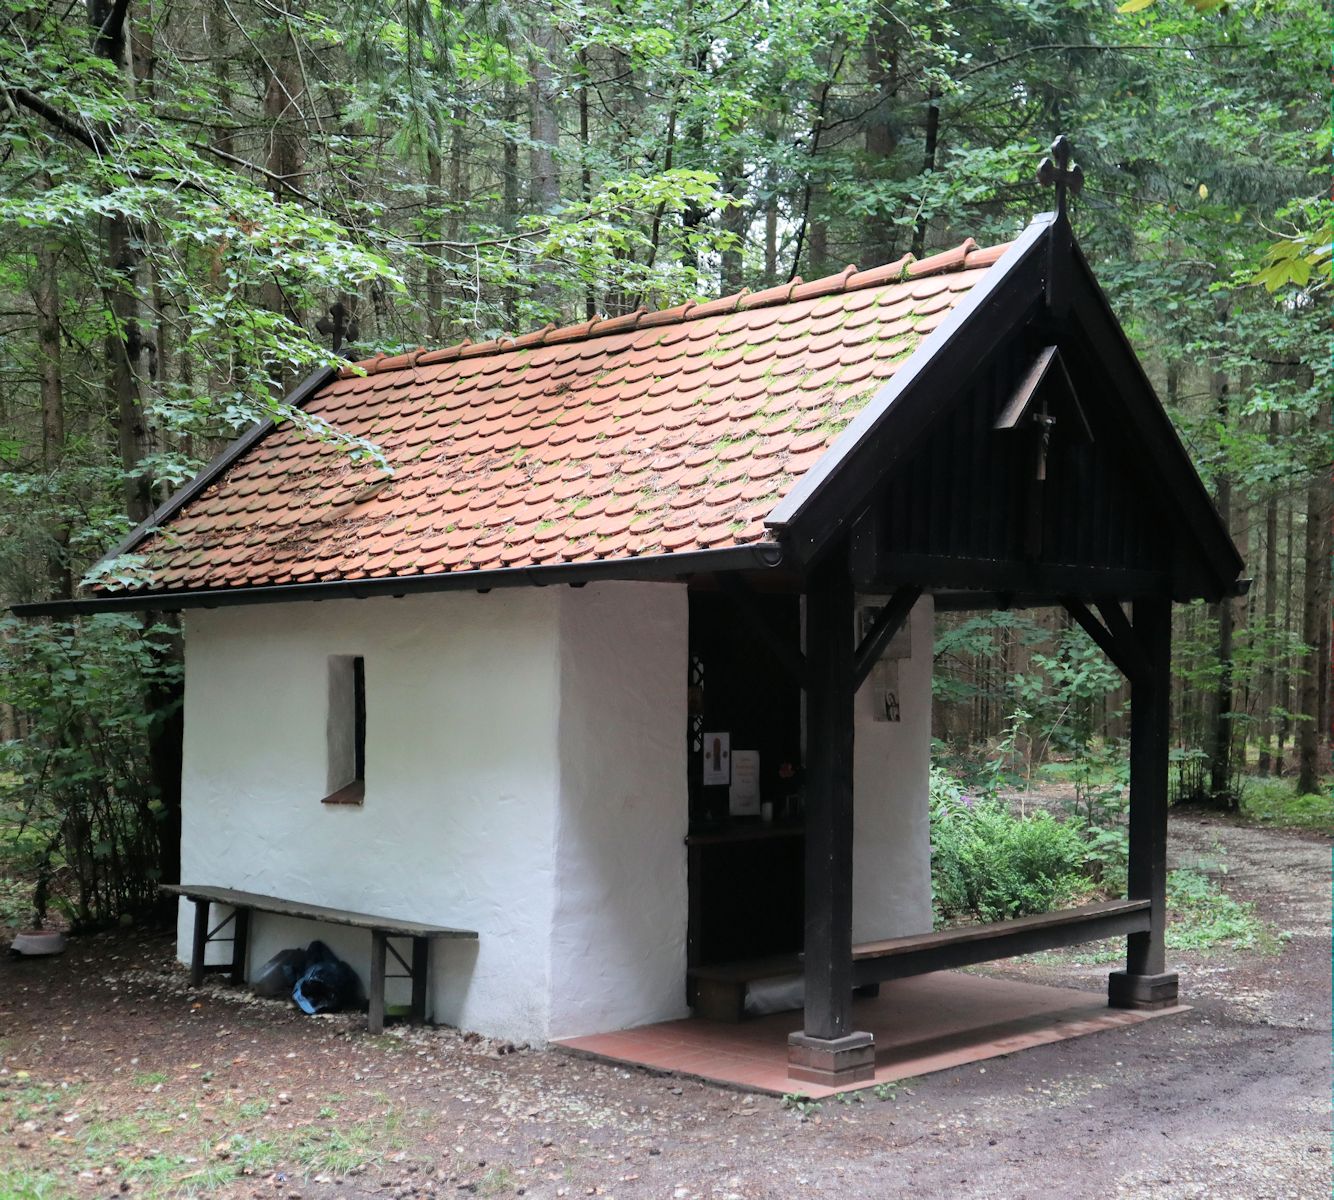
[(33, 943)]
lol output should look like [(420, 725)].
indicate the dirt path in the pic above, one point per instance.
[(138, 1085)]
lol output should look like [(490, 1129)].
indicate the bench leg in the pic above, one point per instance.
[(375, 1012), (720, 1000), (420, 959), (240, 943), (199, 946)]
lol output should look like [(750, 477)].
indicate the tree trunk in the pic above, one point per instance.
[(882, 138), (1289, 664), (544, 139), (435, 198), (1269, 676), (929, 144), (47, 298), (735, 220), (283, 94), (1220, 764), (124, 340), (1315, 616)]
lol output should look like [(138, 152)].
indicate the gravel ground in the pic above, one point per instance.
[(117, 1078)]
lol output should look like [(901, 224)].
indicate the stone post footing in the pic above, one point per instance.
[(1141, 991), (831, 1062)]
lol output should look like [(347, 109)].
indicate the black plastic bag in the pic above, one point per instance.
[(278, 976), (328, 984)]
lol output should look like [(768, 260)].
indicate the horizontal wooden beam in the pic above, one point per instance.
[(939, 571), (899, 958)]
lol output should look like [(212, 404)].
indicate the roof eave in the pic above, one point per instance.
[(754, 556), (218, 466)]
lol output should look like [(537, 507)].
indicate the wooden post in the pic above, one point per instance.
[(420, 962), (828, 1051), (199, 947), (240, 943), (375, 998), (1145, 983)]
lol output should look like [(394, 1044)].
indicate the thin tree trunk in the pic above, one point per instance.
[(1220, 766), (1289, 665), (585, 171), (47, 297), (544, 139), (435, 292), (882, 139), (1269, 676), (1315, 617), (929, 144), (124, 340), (283, 94), (735, 221)]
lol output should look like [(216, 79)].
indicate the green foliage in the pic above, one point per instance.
[(1277, 802), (1201, 916), (80, 820), (990, 864)]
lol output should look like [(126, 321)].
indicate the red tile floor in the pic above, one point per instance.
[(923, 1024)]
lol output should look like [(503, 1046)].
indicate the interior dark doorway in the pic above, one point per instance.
[(745, 867)]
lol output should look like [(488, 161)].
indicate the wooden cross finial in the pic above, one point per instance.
[(1058, 170), (340, 324)]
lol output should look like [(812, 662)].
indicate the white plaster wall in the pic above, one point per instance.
[(462, 779), (618, 936), (891, 892)]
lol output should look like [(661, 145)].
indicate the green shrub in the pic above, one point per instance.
[(1270, 801), (990, 864), (82, 826)]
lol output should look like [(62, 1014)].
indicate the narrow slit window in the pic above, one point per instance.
[(347, 730)]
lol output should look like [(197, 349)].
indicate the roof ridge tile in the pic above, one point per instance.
[(965, 256)]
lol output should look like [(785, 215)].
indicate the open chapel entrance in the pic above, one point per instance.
[(746, 842)]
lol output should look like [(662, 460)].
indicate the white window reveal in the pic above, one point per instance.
[(347, 730)]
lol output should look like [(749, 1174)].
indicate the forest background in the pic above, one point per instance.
[(203, 200)]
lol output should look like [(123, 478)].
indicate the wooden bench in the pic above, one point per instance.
[(719, 991), (381, 929)]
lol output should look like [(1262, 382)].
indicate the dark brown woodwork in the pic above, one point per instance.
[(1149, 741), (199, 944), (887, 623), (758, 623), (1115, 638), (240, 944), (243, 904), (375, 992), (393, 926), (946, 949), (829, 630)]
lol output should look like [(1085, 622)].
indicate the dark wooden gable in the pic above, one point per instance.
[(1061, 498), (1023, 453)]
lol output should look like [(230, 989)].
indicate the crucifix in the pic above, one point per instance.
[(339, 324), (1058, 170), (1044, 386)]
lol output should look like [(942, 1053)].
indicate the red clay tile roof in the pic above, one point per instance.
[(650, 433)]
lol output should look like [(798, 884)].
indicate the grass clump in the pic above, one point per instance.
[(1266, 800), (1202, 916)]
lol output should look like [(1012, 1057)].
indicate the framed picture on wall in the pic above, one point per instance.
[(717, 759)]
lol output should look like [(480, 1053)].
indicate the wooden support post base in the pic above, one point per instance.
[(831, 1062), (1141, 991)]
